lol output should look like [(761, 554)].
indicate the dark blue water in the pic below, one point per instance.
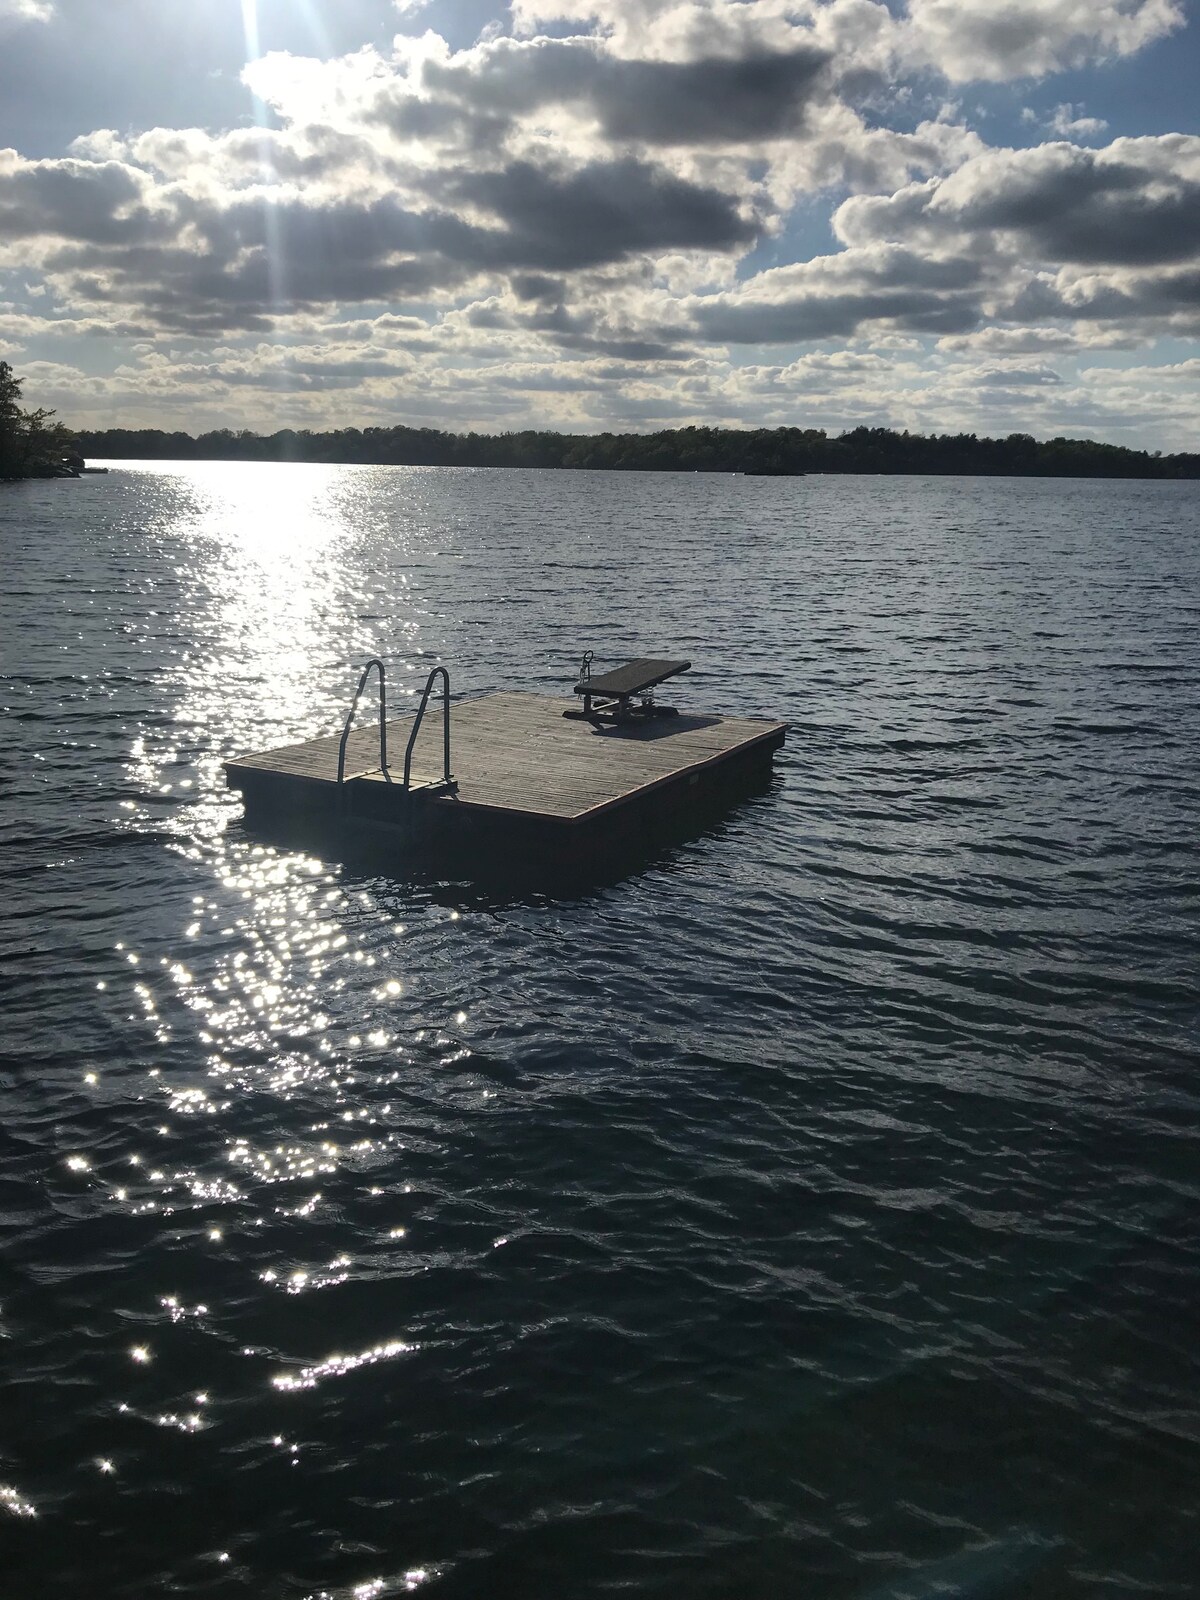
[(812, 1213)]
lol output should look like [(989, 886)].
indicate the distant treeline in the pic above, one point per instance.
[(760, 450)]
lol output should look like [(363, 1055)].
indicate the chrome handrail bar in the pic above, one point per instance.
[(383, 761), (416, 727)]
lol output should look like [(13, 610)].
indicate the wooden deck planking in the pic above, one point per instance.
[(516, 753), (318, 758)]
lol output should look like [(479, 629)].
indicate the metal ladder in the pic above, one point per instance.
[(447, 783)]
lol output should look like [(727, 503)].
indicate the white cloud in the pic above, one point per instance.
[(984, 40), (1134, 203), (967, 40), (1071, 338), (878, 286), (27, 10), (1068, 122), (1169, 372)]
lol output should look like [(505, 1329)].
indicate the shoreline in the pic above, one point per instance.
[(776, 452)]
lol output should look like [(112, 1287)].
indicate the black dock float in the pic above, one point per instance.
[(524, 777)]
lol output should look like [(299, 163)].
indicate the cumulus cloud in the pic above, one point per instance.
[(194, 257), (647, 209), (27, 10), (1019, 377), (604, 211), (1026, 341), (1173, 372), (713, 100), (1135, 202), (966, 40), (104, 203), (1060, 233), (671, 30), (980, 40), (430, 172), (1069, 123), (884, 286), (412, 176)]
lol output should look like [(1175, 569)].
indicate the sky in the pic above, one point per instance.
[(941, 215)]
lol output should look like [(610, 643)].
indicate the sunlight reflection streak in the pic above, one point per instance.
[(336, 1366)]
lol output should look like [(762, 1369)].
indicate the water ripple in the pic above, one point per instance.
[(811, 1212)]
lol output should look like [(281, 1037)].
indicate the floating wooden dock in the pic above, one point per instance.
[(525, 775)]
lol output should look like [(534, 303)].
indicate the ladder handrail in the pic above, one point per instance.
[(416, 727), (383, 761)]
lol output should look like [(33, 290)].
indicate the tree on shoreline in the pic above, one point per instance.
[(32, 444), (764, 452)]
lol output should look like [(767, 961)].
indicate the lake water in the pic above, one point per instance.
[(812, 1213)]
